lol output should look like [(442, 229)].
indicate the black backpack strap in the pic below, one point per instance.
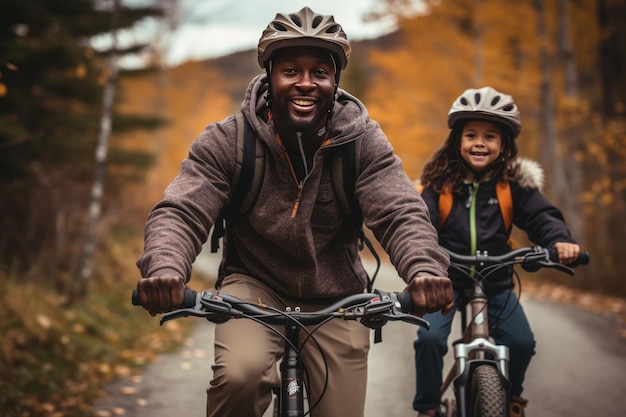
[(245, 186), (246, 158), (238, 189), (345, 169)]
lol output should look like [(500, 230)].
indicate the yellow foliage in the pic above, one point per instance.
[(189, 97)]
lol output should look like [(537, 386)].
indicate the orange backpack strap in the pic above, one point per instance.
[(445, 202), (445, 205), (505, 200)]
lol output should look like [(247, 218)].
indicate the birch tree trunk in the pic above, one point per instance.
[(97, 191)]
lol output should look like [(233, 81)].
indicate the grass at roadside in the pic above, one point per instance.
[(55, 358)]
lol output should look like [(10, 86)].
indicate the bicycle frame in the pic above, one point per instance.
[(470, 352)]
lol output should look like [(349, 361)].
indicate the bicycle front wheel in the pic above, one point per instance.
[(488, 396)]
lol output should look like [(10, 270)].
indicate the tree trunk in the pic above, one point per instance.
[(97, 191), (478, 44), (573, 129), (557, 187), (611, 235)]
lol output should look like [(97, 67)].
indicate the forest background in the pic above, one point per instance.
[(87, 147)]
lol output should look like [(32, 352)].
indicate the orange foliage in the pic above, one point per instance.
[(189, 97)]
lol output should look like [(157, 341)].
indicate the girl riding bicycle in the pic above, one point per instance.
[(480, 155)]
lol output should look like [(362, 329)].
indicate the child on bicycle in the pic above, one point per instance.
[(479, 153)]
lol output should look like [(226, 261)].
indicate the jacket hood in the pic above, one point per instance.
[(528, 173), (348, 118)]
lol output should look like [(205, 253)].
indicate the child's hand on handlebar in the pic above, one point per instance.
[(568, 252), (430, 293), (161, 294)]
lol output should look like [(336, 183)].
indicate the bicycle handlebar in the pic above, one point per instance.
[(373, 309), (531, 259)]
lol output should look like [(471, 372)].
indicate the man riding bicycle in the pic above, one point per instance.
[(295, 247)]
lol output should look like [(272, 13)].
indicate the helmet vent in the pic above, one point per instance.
[(477, 98), (508, 108), (463, 101), (279, 27), (316, 21), (296, 19), (334, 29), (495, 100)]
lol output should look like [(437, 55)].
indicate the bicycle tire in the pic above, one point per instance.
[(488, 396)]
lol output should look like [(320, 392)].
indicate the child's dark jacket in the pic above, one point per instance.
[(532, 212)]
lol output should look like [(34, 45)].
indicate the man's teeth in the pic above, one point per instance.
[(301, 102)]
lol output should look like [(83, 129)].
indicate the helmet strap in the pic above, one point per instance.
[(268, 96)]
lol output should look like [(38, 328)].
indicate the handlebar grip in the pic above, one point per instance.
[(189, 298), (135, 298), (406, 303), (583, 258)]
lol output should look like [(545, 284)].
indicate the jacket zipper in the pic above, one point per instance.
[(296, 204), (472, 222)]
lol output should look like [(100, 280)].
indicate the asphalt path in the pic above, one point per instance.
[(579, 369)]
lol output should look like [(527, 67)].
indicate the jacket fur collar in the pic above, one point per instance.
[(527, 173)]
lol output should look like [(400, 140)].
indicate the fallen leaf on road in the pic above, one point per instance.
[(128, 390)]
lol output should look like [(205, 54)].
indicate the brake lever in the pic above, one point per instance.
[(547, 262), (556, 265), (388, 308), (183, 312), (207, 305)]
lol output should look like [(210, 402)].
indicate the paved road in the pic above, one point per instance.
[(579, 369)]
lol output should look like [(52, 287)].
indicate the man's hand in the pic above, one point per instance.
[(430, 294), (161, 294)]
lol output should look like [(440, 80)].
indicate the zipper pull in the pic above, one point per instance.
[(294, 211), (472, 189)]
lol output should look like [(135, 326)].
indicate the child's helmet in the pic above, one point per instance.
[(486, 104), (304, 28)]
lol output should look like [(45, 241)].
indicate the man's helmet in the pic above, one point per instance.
[(486, 104), (304, 28)]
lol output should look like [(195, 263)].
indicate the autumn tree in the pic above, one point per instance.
[(51, 86)]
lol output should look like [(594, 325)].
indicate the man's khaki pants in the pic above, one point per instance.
[(246, 353)]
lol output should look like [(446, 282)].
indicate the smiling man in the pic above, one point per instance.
[(295, 247)]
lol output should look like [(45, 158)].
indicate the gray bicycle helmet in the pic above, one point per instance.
[(304, 28), (486, 104)]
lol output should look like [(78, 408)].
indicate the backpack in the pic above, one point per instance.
[(248, 178), (503, 193)]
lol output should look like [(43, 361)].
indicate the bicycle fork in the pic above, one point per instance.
[(477, 342), (471, 351)]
